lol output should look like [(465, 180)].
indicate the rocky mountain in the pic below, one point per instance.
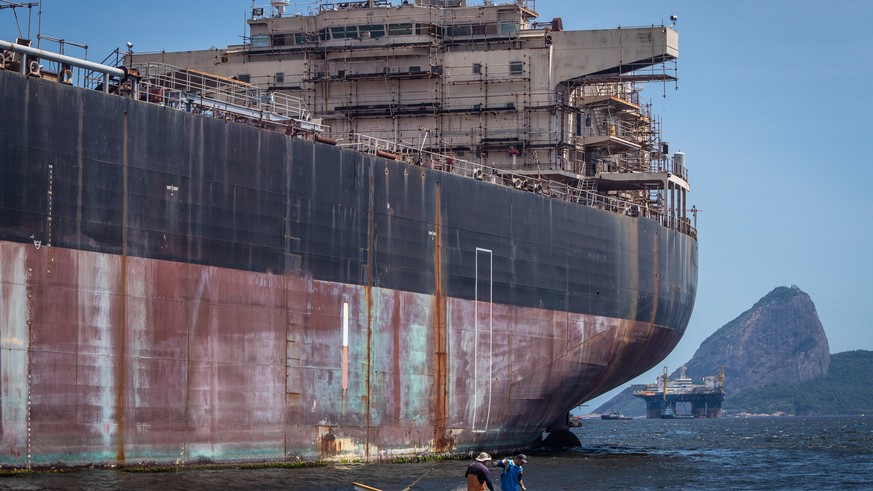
[(780, 340)]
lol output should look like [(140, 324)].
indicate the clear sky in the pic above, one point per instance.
[(773, 110)]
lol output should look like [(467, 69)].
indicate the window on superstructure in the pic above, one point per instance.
[(516, 68), (260, 41), (344, 32), (428, 29), (508, 28), (280, 78), (459, 30), (244, 77), (376, 31), (281, 40), (477, 68), (478, 29), (399, 29), (309, 37)]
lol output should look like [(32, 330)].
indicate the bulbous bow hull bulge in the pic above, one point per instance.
[(177, 288)]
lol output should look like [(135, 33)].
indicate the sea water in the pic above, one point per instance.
[(812, 453)]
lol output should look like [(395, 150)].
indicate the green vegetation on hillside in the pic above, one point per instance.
[(847, 389)]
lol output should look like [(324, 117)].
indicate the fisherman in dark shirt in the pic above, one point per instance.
[(477, 474)]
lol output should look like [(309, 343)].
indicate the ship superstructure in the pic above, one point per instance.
[(480, 81)]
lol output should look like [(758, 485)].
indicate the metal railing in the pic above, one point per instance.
[(312, 7), (29, 62), (552, 189), (161, 80)]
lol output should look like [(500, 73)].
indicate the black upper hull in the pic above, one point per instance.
[(205, 191)]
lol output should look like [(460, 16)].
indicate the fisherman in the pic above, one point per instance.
[(511, 479), (477, 474)]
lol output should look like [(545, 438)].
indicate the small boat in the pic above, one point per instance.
[(614, 415), (363, 487)]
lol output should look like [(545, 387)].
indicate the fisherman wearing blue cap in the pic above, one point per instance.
[(511, 479)]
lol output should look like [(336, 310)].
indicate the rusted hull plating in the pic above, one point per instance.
[(176, 289), (185, 362)]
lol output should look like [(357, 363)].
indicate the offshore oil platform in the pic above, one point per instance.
[(662, 396)]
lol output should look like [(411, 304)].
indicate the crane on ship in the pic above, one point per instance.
[(664, 379)]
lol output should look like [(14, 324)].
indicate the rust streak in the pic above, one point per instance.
[(286, 284), (330, 447), (80, 161), (119, 404), (656, 280), (440, 440), (368, 292), (29, 283), (397, 378)]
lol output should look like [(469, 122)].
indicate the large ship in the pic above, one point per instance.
[(371, 231), (704, 399)]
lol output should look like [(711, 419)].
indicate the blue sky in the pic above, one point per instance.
[(773, 111)]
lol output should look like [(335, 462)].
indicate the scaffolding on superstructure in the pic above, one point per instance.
[(492, 115), (477, 83)]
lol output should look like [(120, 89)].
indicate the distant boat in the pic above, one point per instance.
[(614, 415)]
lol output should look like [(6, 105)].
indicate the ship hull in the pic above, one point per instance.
[(177, 288)]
